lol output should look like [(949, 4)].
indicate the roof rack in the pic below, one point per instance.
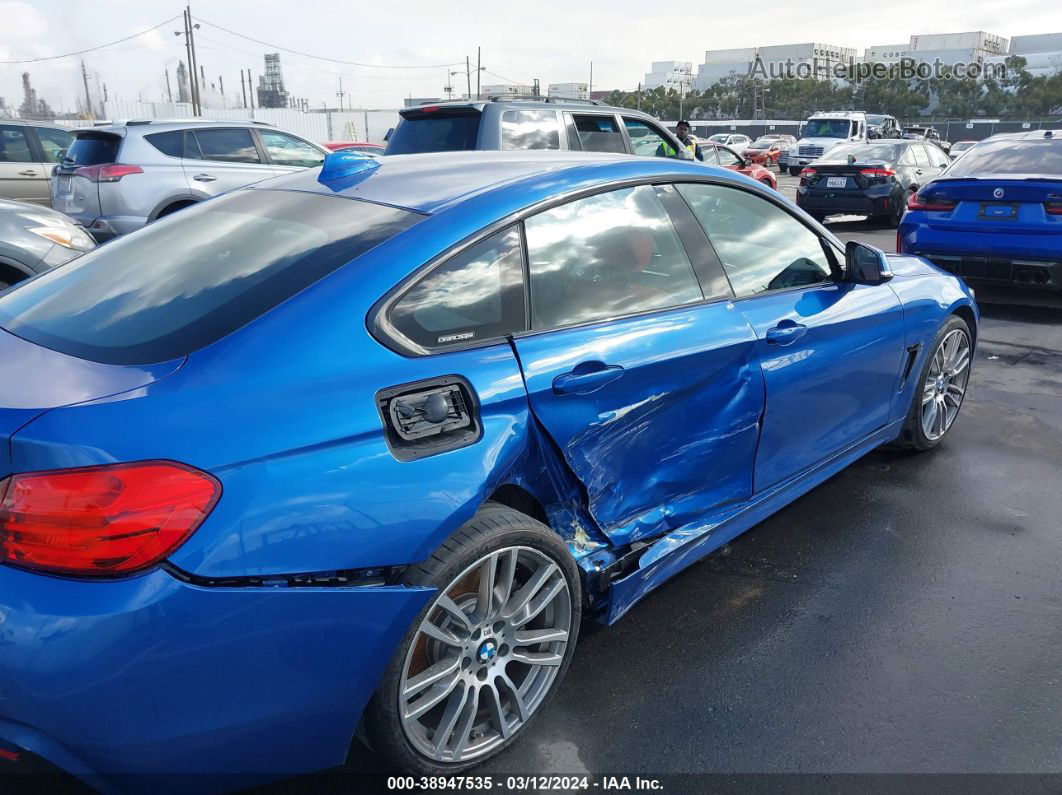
[(138, 122), (533, 98)]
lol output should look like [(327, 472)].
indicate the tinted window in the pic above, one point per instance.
[(476, 295), (191, 278), (761, 246), (287, 150), (887, 152), (599, 134), (530, 129), (606, 255), (53, 142), (169, 143), (1035, 158), (937, 156), (92, 149), (229, 146), (920, 156), (435, 132), (14, 145), (646, 140), (828, 128)]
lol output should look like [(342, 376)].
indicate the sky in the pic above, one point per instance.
[(409, 44)]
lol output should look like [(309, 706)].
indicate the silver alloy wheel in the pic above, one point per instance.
[(945, 385), (486, 654)]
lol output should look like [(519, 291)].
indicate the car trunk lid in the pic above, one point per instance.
[(855, 176), (1026, 205), (37, 379)]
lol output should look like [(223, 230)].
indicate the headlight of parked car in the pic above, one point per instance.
[(66, 235)]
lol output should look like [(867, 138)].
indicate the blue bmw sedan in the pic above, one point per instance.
[(996, 214), (357, 449)]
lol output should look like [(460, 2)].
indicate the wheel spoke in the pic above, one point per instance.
[(538, 604), (523, 597), (429, 700), (929, 417), (514, 694), (530, 637), (942, 418), (956, 369), (536, 658), (506, 577), (492, 699), (450, 607), (440, 634), (445, 729), (485, 597), (464, 725), (430, 676)]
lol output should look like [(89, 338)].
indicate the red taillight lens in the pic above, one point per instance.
[(103, 520), (110, 172), (918, 202), (1053, 208), (807, 172), (878, 172)]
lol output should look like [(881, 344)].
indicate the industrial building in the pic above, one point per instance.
[(947, 48), (271, 91), (569, 90), (669, 74)]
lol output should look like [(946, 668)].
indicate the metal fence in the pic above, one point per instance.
[(348, 125)]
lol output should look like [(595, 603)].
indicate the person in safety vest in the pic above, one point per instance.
[(682, 131)]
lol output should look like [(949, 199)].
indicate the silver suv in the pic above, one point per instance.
[(28, 152), (116, 179)]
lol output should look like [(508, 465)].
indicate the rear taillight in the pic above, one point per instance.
[(878, 172), (1053, 208), (104, 520), (109, 172), (807, 172), (931, 204)]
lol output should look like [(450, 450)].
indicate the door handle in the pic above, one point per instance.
[(27, 173), (786, 333), (204, 178), (586, 377)]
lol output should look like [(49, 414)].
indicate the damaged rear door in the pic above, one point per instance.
[(637, 364)]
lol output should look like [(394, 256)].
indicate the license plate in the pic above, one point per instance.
[(836, 182), (997, 211)]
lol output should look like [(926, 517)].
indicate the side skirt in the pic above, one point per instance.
[(675, 551)]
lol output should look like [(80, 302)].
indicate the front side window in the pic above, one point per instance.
[(14, 145), (530, 129), (476, 295), (193, 277), (921, 156), (228, 146), (599, 133), (606, 255), (761, 246), (646, 140), (287, 150), (54, 143)]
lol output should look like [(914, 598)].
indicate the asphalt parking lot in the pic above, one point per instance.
[(904, 617)]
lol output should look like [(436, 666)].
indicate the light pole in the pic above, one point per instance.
[(467, 72), (189, 44)]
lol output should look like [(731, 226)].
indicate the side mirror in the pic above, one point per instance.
[(865, 264)]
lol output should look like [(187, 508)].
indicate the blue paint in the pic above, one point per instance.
[(706, 430)]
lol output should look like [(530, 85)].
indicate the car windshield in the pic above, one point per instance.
[(874, 118), (435, 131), (889, 153), (764, 143), (962, 146), (720, 138), (192, 278), (827, 128), (1010, 157)]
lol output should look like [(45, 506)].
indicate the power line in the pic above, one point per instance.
[(90, 49), (506, 79), (322, 57)]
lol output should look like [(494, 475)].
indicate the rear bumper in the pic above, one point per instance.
[(117, 681), (1020, 272), (868, 202)]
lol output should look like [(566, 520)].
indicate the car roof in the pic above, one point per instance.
[(428, 183), (33, 123), (545, 103), (163, 125), (1028, 135)]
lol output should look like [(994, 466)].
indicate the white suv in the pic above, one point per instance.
[(822, 132), (115, 179)]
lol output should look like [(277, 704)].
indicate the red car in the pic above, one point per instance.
[(727, 158), (357, 146), (766, 150)]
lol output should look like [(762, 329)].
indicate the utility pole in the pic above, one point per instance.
[(479, 69), (639, 100), (243, 89), (221, 88), (169, 93), (468, 76), (341, 93), (591, 84), (197, 92), (250, 88), (88, 100)]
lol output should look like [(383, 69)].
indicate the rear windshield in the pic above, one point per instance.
[(1025, 158), (437, 131), (887, 152), (93, 149), (196, 276)]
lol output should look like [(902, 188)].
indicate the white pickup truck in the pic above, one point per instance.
[(822, 132)]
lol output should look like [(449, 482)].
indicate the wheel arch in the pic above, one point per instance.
[(170, 204), (965, 311)]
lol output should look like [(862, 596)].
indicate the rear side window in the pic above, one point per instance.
[(169, 143), (599, 133), (1006, 157), (476, 295), (53, 142), (194, 277), (530, 129), (14, 145), (438, 131), (93, 149), (229, 146), (287, 150)]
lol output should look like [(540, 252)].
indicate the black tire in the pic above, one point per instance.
[(913, 436), (795, 170), (493, 528)]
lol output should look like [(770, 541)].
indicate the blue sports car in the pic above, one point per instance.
[(357, 449), (996, 214)]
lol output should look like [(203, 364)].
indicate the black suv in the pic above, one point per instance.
[(507, 123)]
